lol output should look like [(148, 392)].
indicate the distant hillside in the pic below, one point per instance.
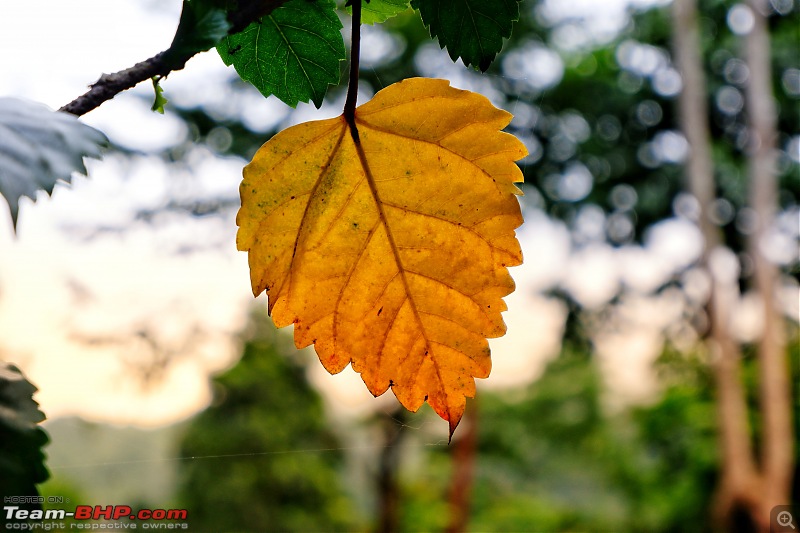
[(114, 464)]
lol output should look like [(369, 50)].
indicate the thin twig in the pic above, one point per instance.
[(161, 64)]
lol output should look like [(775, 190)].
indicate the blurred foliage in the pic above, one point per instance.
[(263, 458), (550, 458), (40, 147), (554, 457), (22, 461), (62, 494)]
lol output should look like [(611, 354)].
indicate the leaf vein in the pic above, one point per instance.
[(324, 170), (444, 283), (456, 224), (349, 278), (389, 132)]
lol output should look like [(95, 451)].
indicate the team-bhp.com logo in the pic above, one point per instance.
[(120, 517)]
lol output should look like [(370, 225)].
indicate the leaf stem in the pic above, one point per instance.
[(355, 53)]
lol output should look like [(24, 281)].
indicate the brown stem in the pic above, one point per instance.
[(775, 398), (110, 85), (161, 64), (355, 53), (464, 452), (388, 490), (739, 480)]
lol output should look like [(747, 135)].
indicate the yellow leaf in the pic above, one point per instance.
[(387, 248)]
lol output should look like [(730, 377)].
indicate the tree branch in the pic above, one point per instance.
[(161, 64)]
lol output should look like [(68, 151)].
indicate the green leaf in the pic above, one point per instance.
[(203, 24), (21, 439), (293, 53), (39, 147), (380, 10), (470, 29), (160, 100)]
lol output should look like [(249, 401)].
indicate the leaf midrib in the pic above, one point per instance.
[(296, 57), (475, 28), (373, 187)]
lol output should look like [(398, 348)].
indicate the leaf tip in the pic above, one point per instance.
[(453, 425), (14, 224)]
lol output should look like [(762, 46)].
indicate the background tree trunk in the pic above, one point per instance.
[(777, 442), (464, 451), (388, 490), (746, 488)]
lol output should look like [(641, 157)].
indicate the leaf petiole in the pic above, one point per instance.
[(355, 52)]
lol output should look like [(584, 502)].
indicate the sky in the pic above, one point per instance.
[(77, 312)]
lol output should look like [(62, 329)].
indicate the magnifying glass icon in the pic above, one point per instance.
[(785, 519)]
